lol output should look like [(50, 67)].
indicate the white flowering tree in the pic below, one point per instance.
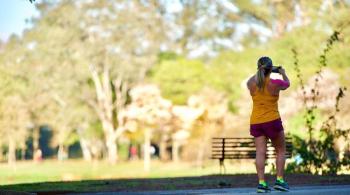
[(214, 109), (187, 116), (150, 111)]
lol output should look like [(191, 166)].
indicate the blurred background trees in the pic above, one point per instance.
[(100, 77)]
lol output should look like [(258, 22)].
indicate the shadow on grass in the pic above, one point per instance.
[(175, 183)]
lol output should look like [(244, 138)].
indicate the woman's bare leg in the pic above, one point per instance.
[(260, 144), (280, 148)]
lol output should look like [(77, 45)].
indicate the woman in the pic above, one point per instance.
[(265, 121)]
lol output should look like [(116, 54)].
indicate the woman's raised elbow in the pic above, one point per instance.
[(285, 85)]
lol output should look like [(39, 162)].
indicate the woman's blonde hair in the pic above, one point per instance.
[(264, 69)]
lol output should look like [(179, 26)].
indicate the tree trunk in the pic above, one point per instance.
[(23, 151), (111, 144), (203, 146), (84, 143), (147, 150), (36, 136), (1, 154), (62, 152), (106, 107), (112, 150), (12, 151), (175, 151), (200, 155), (162, 148), (85, 149)]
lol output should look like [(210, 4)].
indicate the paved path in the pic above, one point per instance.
[(306, 190)]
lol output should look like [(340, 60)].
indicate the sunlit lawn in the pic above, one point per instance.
[(52, 170)]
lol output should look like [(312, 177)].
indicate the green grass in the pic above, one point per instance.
[(75, 170)]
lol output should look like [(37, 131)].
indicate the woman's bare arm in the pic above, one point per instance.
[(285, 79), (251, 84)]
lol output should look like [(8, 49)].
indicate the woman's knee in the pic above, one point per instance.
[(280, 150), (279, 144)]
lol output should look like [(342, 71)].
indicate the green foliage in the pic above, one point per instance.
[(94, 131), (317, 151), (72, 138), (178, 79), (167, 56), (230, 70), (297, 124)]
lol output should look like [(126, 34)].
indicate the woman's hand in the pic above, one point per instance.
[(282, 71), (285, 78)]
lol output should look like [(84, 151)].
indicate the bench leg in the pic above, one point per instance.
[(222, 165)]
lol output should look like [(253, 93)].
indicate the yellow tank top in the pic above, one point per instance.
[(265, 106)]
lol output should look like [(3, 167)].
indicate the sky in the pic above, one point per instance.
[(13, 15)]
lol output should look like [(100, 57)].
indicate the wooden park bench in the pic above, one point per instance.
[(242, 148)]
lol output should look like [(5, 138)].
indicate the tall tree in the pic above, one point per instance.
[(125, 47), (13, 107), (98, 49)]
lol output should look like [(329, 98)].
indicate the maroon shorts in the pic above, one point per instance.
[(269, 129)]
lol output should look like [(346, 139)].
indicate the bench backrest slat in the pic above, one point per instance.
[(242, 148)]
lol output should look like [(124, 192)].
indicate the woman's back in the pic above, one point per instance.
[(265, 102)]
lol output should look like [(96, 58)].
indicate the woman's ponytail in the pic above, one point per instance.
[(261, 78), (264, 68)]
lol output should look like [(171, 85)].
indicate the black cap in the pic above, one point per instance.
[(265, 61)]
